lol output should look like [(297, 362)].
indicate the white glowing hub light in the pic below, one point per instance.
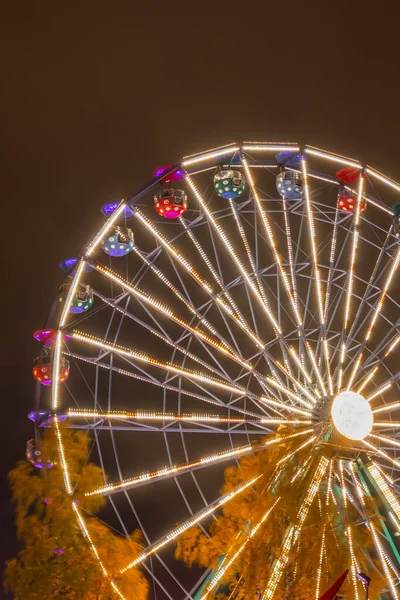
[(352, 415)]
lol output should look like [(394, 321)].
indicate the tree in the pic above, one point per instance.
[(55, 559), (253, 566)]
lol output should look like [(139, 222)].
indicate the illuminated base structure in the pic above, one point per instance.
[(255, 329)]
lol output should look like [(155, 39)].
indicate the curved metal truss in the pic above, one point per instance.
[(236, 318)]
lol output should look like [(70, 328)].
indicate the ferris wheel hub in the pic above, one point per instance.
[(352, 415)]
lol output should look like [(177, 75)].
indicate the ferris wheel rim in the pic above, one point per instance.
[(91, 247)]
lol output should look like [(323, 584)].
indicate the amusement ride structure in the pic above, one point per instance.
[(244, 297)]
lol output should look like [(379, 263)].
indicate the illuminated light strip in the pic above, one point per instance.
[(172, 470), (393, 345), (103, 231), (153, 548), (271, 148), (382, 472), (87, 535), (273, 420), (61, 453), (270, 235), (142, 357), (333, 157), (331, 263), (233, 310), (353, 255), (163, 385), (266, 308), (317, 371), (218, 575), (319, 570), (379, 305), (344, 489), (381, 453), (259, 343), (295, 382), (355, 370), (311, 229), (164, 242), (328, 365), (383, 179), (354, 564), (248, 251), (94, 549), (394, 520), (289, 407), (329, 486), (160, 336), (284, 144), (383, 562), (210, 150), (168, 283), (367, 379), (154, 416), (56, 370), (167, 311), (290, 250), (385, 489), (303, 470), (209, 155), (284, 389), (290, 454), (379, 391), (387, 424), (294, 530), (390, 563), (299, 364), (57, 347), (358, 487), (213, 272), (384, 438)]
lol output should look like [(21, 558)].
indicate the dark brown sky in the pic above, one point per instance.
[(94, 95)]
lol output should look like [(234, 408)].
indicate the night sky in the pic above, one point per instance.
[(95, 95)]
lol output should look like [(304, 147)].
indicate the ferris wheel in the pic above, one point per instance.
[(244, 298)]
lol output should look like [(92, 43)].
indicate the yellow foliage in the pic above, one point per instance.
[(253, 567), (55, 559)]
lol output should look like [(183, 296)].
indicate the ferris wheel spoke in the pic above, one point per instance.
[(168, 312), (294, 530), (206, 421), (382, 557), (206, 461), (226, 565), (386, 407), (231, 252), (289, 407), (392, 343), (210, 398), (204, 285), (166, 339), (232, 310), (350, 281), (234, 256), (371, 289), (381, 453), (248, 250), (141, 357), (375, 313), (271, 239), (186, 301), (289, 393), (193, 520)]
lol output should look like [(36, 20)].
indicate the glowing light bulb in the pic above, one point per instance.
[(352, 415)]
